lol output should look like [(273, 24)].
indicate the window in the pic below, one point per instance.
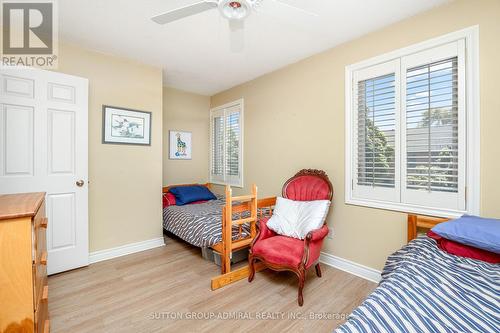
[(226, 132), (412, 128)]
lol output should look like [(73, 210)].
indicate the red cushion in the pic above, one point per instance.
[(280, 250), (168, 199), (462, 250), (307, 188)]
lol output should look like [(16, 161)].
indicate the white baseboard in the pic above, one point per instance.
[(351, 267), (326, 258), (125, 249)]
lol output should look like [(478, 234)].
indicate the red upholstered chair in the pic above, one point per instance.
[(281, 253)]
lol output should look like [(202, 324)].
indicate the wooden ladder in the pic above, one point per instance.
[(227, 246)]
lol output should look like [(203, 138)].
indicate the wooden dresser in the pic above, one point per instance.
[(23, 264)]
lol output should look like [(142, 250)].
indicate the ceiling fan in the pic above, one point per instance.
[(235, 11)]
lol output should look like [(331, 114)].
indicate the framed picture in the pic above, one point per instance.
[(125, 126), (180, 145)]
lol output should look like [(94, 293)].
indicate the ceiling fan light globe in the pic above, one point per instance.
[(234, 9)]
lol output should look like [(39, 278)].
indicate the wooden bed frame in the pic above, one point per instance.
[(421, 221), (246, 203)]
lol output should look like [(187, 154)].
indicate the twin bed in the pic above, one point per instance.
[(423, 289), (198, 224)]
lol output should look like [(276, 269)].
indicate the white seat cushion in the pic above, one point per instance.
[(296, 218)]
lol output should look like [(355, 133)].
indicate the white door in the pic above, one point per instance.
[(44, 148)]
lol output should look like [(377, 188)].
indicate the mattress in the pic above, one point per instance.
[(424, 289), (198, 224)]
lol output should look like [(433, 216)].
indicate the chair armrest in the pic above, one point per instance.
[(313, 243), (264, 232), (317, 234)]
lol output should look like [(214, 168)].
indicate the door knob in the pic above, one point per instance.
[(80, 183)]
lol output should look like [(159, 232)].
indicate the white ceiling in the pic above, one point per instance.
[(194, 52)]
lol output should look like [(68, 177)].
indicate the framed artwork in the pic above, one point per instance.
[(125, 126), (180, 145)]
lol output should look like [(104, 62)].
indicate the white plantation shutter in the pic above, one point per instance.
[(217, 147), (408, 144), (434, 127), (376, 105), (233, 151), (376, 131), (226, 144)]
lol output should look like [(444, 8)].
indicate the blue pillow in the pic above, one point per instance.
[(472, 230), (187, 194)]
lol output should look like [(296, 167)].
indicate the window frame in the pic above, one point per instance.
[(237, 103), (472, 127)]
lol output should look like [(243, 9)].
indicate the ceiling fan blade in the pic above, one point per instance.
[(237, 35), (182, 12), (295, 8), (289, 14)]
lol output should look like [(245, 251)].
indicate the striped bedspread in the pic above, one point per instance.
[(198, 224), (424, 289)]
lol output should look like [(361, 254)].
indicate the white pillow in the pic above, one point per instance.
[(296, 218)]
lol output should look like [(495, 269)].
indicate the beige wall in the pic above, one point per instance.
[(125, 181), (294, 118), (185, 111)]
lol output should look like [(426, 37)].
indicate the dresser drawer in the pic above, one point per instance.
[(39, 281), (40, 255), (40, 223), (42, 314)]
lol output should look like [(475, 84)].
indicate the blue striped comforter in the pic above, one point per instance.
[(200, 224), (424, 289)]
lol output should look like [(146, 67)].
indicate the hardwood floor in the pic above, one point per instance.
[(168, 290)]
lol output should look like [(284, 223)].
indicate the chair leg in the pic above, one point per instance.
[(302, 279), (251, 266), (318, 270)]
